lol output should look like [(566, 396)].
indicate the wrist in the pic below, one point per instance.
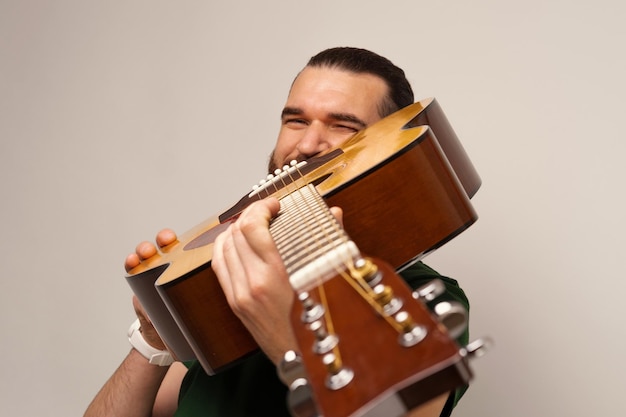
[(153, 355)]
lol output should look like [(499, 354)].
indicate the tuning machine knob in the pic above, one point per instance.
[(338, 375), (412, 333), (430, 291), (478, 347), (368, 271), (311, 309), (300, 399), (453, 316)]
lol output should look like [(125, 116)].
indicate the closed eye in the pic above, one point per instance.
[(293, 121), (346, 128)]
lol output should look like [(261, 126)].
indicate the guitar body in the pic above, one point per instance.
[(401, 196)]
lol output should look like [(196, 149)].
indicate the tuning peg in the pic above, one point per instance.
[(412, 333), (338, 375), (324, 342), (453, 316), (300, 399), (430, 291), (368, 271), (311, 310), (291, 368), (384, 296), (478, 347)]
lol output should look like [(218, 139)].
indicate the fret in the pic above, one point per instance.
[(309, 239)]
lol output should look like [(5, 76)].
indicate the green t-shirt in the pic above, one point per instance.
[(252, 388)]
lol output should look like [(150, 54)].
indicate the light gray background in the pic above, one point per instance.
[(118, 118)]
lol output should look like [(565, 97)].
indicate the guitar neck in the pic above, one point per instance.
[(312, 243)]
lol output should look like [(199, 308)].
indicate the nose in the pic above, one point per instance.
[(313, 141)]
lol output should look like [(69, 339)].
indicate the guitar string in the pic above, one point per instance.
[(290, 194), (330, 328), (353, 278), (298, 188)]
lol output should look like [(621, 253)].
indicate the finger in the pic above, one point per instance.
[(166, 237), (253, 244), (238, 265), (245, 255), (255, 255), (131, 261), (145, 250), (219, 264), (251, 231), (338, 213)]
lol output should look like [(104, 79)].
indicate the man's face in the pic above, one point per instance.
[(324, 108)]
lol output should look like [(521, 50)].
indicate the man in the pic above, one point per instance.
[(339, 92)]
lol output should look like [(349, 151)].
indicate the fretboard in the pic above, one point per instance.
[(312, 243)]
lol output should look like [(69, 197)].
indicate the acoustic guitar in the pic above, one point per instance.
[(404, 184)]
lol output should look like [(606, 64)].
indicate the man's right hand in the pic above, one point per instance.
[(138, 388), (146, 249), (143, 251)]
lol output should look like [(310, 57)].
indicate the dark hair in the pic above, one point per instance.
[(362, 61)]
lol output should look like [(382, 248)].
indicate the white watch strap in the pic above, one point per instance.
[(154, 355)]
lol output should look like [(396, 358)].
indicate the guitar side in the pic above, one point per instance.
[(185, 303)]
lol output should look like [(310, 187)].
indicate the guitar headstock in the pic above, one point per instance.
[(363, 339)]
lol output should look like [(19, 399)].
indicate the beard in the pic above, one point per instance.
[(271, 164)]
